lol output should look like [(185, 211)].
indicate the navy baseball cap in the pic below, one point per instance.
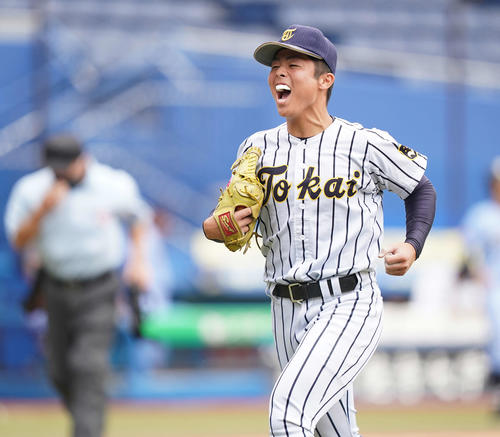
[(303, 39)]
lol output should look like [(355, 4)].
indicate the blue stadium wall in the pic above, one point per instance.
[(201, 143)]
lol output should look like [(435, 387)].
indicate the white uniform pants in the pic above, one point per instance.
[(322, 344)]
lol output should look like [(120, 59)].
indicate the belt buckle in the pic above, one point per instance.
[(290, 286)]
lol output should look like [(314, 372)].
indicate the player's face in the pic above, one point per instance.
[(293, 84), (75, 171)]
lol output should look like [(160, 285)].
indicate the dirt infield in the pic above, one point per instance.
[(369, 434), (240, 418), (430, 419), (435, 434)]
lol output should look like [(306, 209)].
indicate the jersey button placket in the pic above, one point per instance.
[(302, 222), (298, 204)]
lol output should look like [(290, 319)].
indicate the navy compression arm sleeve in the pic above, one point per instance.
[(420, 208)]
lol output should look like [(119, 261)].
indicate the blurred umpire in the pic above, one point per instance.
[(72, 210)]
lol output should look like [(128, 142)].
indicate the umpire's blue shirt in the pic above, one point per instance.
[(82, 236)]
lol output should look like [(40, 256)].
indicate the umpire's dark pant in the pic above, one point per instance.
[(80, 331)]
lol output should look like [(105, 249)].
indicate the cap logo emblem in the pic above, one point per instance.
[(287, 34)]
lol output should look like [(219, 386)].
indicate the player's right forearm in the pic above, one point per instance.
[(29, 229), (211, 230)]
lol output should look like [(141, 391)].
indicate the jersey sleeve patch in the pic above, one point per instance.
[(406, 151)]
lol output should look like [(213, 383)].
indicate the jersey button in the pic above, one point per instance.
[(302, 206), (302, 237)]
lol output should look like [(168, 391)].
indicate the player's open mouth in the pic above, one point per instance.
[(282, 92)]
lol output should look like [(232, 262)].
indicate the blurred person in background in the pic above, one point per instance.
[(141, 355), (72, 212), (481, 230)]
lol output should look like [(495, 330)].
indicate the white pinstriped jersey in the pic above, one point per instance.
[(323, 215)]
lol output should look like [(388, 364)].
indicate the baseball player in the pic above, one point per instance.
[(322, 227)]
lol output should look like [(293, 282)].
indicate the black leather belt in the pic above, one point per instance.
[(302, 291), (81, 283)]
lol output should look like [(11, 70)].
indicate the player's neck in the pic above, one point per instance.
[(309, 124)]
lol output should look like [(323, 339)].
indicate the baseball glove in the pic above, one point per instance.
[(244, 190)]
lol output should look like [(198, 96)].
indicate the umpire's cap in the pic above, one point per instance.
[(60, 150), (303, 39)]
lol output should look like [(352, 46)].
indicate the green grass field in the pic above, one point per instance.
[(243, 419)]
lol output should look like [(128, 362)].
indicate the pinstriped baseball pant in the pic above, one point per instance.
[(322, 344)]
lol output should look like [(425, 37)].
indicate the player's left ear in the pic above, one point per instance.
[(326, 80)]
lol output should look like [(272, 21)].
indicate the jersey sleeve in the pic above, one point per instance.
[(255, 140), (130, 205), (244, 146), (393, 166)]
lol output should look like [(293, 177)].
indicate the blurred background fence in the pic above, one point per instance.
[(168, 89)]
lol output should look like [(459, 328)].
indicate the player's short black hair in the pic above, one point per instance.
[(320, 67)]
